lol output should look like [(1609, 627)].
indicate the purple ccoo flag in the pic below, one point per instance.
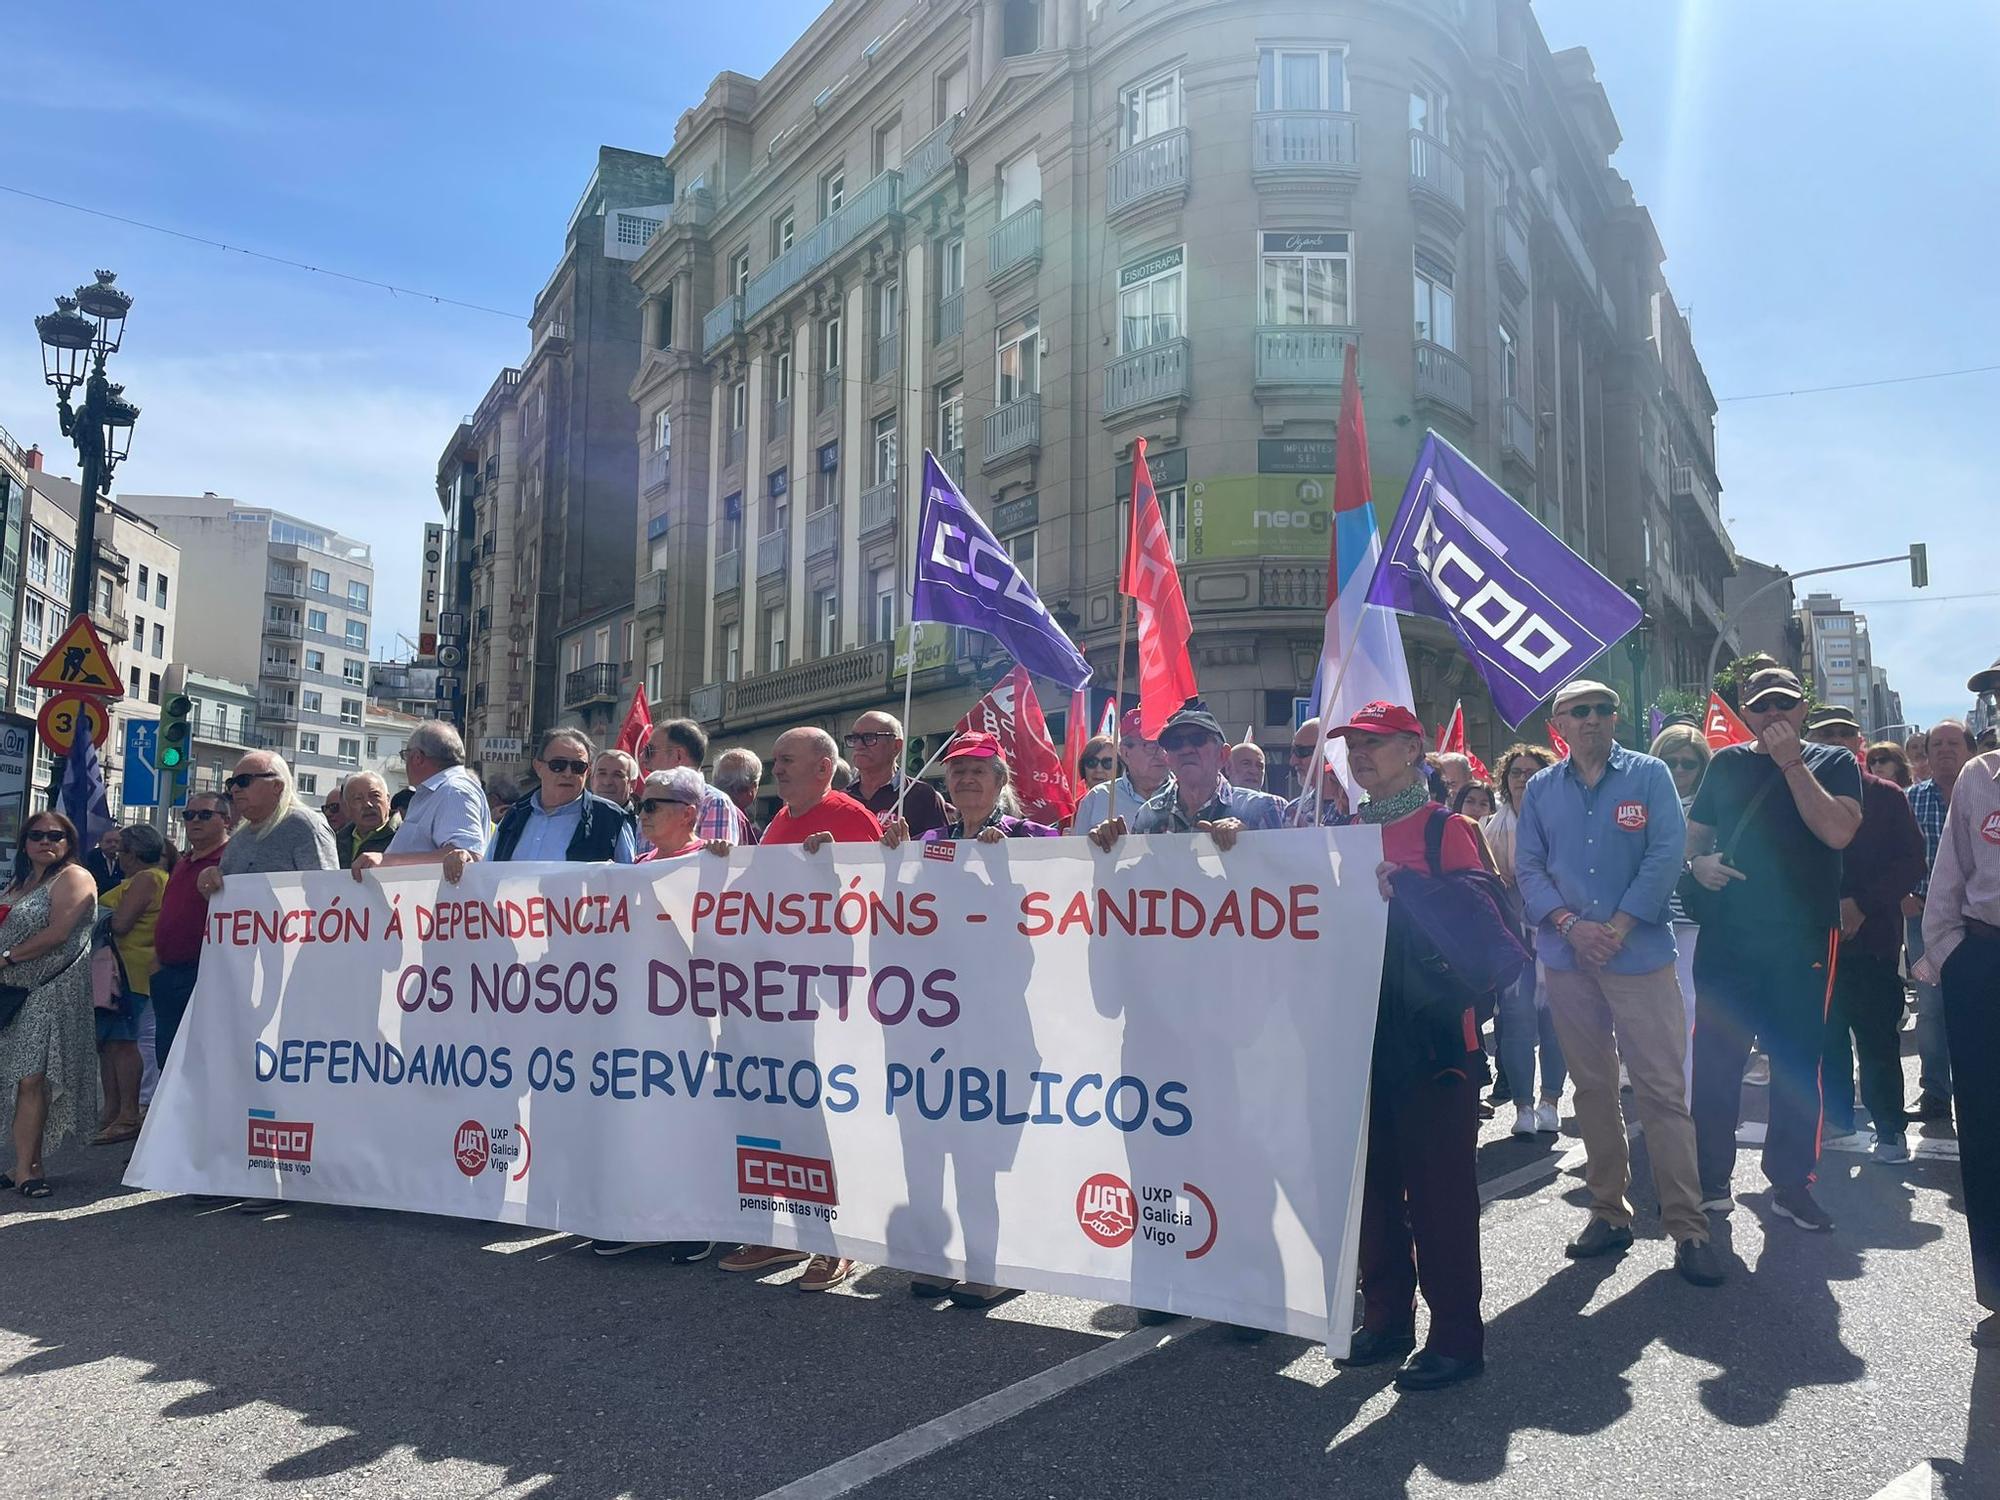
[(1529, 612), (965, 577)]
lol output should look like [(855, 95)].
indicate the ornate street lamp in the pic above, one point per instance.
[(108, 305), (67, 339)]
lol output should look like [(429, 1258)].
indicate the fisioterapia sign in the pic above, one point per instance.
[(1028, 1063)]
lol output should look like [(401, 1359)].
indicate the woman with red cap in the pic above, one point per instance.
[(976, 782), (1420, 1195)]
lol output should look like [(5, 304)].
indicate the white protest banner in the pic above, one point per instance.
[(1137, 1077)]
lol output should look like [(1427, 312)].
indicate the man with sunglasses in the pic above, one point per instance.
[(184, 916), (1197, 797), (1765, 835), (1145, 773), (875, 750), (562, 821), (1329, 807), (1596, 854)]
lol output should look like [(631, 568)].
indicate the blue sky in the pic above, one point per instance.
[(1823, 184)]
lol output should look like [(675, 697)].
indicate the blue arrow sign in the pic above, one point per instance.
[(142, 775)]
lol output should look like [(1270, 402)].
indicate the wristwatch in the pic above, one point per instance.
[(6, 958)]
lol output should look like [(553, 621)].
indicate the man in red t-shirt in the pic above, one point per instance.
[(814, 815), (184, 915)]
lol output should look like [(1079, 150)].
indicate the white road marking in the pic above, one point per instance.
[(515, 1247), (1915, 1485), (32, 1214), (1861, 1143)]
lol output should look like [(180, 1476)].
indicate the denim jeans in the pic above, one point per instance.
[(1933, 1055), (1522, 1024)]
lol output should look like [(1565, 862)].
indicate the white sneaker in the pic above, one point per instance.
[(1892, 1149), (1524, 1120), (1546, 1119)]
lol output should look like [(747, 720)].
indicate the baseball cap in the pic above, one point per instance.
[(1193, 714), (1128, 725), (1381, 718), (1583, 687), (1832, 717), (1768, 680), (974, 744)]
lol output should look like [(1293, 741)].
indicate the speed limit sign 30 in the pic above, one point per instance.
[(59, 717)]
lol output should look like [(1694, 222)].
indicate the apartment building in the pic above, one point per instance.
[(223, 727), (287, 604), (1839, 659), (1025, 234), (1765, 621)]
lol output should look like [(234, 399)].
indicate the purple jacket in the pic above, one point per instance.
[(1009, 825)]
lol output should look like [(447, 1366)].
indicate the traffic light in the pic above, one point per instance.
[(176, 744), (1920, 565)]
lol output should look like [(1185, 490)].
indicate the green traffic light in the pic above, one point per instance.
[(170, 757)]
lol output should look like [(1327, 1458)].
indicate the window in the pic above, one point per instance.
[(1149, 301), (1021, 547), (739, 272), (1173, 515), (38, 557), (1020, 183), (663, 431), (826, 477), (350, 710), (951, 268), (135, 682), (950, 417), (1434, 318), (739, 405), (348, 752), (1019, 369), (1510, 364), (106, 594), (311, 701), (777, 513), (320, 581), (1301, 78), (308, 782), (1020, 27), (145, 580), (152, 687), (357, 635), (31, 627), (374, 748), (1151, 108), (357, 596), (832, 192), (315, 619), (829, 345), (730, 538), (60, 572), (781, 376), (885, 449), (889, 146), (631, 631), (732, 651), (954, 91), (774, 636), (159, 640), (1304, 278), (576, 656), (888, 309), (882, 599), (354, 671), (783, 232), (1430, 111), (315, 661), (160, 590), (656, 650), (826, 617)]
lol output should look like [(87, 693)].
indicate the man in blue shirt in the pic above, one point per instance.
[(1197, 797), (562, 821), (1596, 856)]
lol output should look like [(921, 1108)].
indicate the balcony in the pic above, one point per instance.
[(1154, 375), (1670, 586), (596, 684), (1517, 433), (1436, 176), (1580, 261), (879, 506), (826, 389), (734, 441), (276, 712), (728, 572), (1014, 428), (774, 554), (1653, 463), (879, 200), (1511, 244), (652, 591), (1707, 606), (1443, 377), (951, 316), (1292, 588), (653, 469), (1015, 245), (723, 321), (705, 703), (114, 627), (830, 682), (488, 544), (1690, 485), (1303, 145), (823, 533), (1152, 174), (1303, 355), (952, 461), (931, 157), (285, 587), (279, 630), (885, 356)]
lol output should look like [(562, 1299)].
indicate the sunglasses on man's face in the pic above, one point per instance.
[(241, 781), (199, 815), (1775, 703), (1176, 744), (46, 836), (1098, 763), (654, 804), (1582, 711), (563, 767), (1302, 752)]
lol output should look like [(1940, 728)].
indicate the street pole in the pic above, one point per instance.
[(1915, 557), (1636, 644)]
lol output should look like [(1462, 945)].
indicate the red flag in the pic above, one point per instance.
[(1561, 745), (1166, 671), (1722, 727), (638, 725), (1013, 715), (1452, 742), (1075, 733)]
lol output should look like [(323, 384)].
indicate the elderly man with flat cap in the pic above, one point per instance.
[(1197, 797), (1764, 840)]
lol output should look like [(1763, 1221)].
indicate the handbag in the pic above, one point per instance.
[(12, 998), (1702, 905), (1463, 916)]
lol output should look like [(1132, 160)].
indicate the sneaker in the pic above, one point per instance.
[(1599, 1237), (1796, 1204), (1931, 1107), (824, 1273), (980, 1294), (1716, 1201), (1524, 1120), (1698, 1263), (923, 1285), (1758, 1071), (609, 1248), (759, 1258), (1891, 1150), (1546, 1119)]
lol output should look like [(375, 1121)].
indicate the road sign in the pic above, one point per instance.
[(58, 720), (78, 663), (1302, 709), (142, 780)]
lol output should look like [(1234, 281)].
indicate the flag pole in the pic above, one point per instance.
[(1326, 727), (1118, 703), (910, 669)]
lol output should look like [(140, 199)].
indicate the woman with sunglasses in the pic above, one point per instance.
[(1889, 761), (669, 807), (1099, 762), (48, 1052), (562, 819)]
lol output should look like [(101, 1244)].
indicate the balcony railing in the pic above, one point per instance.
[(653, 467), (774, 554), (839, 679), (1517, 432), (115, 627), (590, 684), (287, 588), (728, 572), (1691, 485), (1156, 373), (1015, 241), (952, 460), (951, 316), (722, 321), (1303, 354), (1014, 428), (826, 389), (1653, 463), (1512, 242), (879, 504), (931, 156), (1308, 142), (734, 440), (281, 630), (823, 532), (885, 355), (876, 201), (279, 671), (652, 591), (1154, 168), (1443, 377), (1292, 588), (1434, 170), (277, 712)]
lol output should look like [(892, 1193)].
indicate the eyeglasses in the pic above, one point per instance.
[(1774, 703), (1685, 763), (567, 767), (1174, 744), (199, 815), (1302, 752), (863, 738), (654, 804), (240, 782), (1582, 711), (1098, 763), (45, 836)]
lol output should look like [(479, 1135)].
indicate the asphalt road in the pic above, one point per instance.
[(153, 1346)]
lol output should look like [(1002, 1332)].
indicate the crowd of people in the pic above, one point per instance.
[(1604, 922)]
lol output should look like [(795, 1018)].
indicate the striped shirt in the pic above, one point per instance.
[(1930, 805)]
